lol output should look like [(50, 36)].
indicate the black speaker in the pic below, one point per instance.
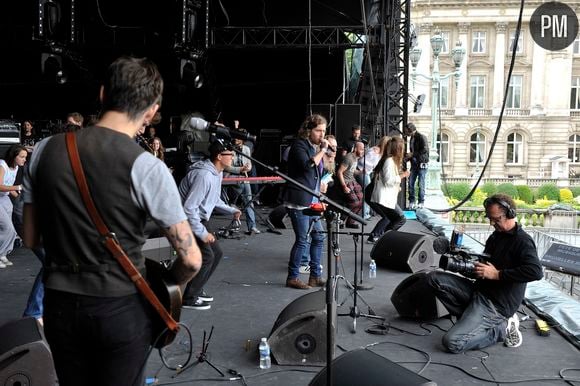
[(298, 336), (346, 116), (405, 252), (279, 219), (365, 368), (25, 358), (413, 298)]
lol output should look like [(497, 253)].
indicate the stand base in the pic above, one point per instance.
[(364, 287)]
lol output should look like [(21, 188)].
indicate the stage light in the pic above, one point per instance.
[(189, 74), (52, 69)]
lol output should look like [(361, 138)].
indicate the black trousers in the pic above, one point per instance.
[(97, 341), (211, 255)]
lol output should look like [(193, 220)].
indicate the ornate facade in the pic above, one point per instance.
[(540, 129)]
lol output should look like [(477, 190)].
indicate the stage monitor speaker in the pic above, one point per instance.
[(413, 298), (365, 368), (402, 251), (25, 358), (298, 336), (278, 217), (346, 116)]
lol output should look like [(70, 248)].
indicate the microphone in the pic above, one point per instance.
[(224, 132)]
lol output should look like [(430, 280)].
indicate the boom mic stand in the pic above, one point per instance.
[(329, 290)]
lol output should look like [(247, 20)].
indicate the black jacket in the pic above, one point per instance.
[(302, 169)]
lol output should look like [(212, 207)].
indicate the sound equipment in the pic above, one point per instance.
[(25, 358), (405, 252), (346, 116), (298, 336), (365, 368), (413, 298), (279, 219), (322, 109)]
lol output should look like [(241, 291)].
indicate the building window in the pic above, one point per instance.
[(444, 93), (515, 148), (445, 35), (575, 94), (478, 41), (477, 91), (443, 148), (477, 149), (514, 96), (520, 46), (574, 148), (576, 46)]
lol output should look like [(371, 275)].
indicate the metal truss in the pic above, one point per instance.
[(396, 88), (287, 37)]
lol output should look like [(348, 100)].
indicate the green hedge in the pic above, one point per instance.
[(575, 191), (509, 189), (489, 188), (457, 191), (549, 191), (525, 194)]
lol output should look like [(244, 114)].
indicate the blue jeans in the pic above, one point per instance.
[(34, 306), (245, 192), (479, 325), (421, 173), (300, 225), (363, 180)]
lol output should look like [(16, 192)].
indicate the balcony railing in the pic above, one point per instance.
[(532, 182), (517, 112), (479, 112)]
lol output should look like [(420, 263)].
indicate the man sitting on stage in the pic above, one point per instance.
[(200, 193), (240, 167), (487, 307)]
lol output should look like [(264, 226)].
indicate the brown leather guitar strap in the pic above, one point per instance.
[(109, 238)]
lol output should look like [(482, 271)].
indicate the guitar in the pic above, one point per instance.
[(169, 294)]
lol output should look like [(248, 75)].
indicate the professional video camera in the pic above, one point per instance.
[(461, 261)]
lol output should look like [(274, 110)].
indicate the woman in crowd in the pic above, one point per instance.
[(15, 158), (157, 148), (386, 190)]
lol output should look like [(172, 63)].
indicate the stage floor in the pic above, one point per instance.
[(249, 291)]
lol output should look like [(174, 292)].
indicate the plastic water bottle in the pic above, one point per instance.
[(372, 270), (265, 360)]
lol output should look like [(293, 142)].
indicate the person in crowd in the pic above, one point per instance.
[(374, 155), (28, 138), (486, 308), (15, 158), (366, 164), (352, 191), (387, 187), (305, 166), (419, 157), (348, 145), (329, 160), (157, 148), (97, 323), (75, 118), (200, 194), (240, 167)]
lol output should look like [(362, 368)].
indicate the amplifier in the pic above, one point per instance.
[(9, 131)]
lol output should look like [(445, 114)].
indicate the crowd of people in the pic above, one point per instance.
[(81, 284)]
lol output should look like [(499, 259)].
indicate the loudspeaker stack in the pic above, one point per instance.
[(405, 252)]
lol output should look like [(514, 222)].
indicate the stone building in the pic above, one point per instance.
[(539, 138)]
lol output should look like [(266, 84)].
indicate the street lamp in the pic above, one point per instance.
[(457, 54)]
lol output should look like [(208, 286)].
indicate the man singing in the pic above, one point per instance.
[(97, 324)]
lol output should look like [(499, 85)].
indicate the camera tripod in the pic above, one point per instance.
[(334, 244)]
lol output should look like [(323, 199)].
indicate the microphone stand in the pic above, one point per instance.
[(330, 306)]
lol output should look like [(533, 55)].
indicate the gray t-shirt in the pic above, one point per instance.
[(350, 162), (153, 189)]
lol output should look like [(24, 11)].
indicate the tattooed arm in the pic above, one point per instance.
[(188, 261)]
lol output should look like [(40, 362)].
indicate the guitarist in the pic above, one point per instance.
[(97, 325)]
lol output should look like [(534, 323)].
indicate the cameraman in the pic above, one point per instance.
[(486, 307)]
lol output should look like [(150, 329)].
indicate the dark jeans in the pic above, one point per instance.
[(391, 219), (97, 341), (211, 255), (479, 325), (419, 173)]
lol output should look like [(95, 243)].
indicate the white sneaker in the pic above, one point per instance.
[(420, 206), (2, 265), (304, 269), (4, 260), (513, 336)]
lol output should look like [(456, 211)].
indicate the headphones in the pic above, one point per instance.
[(509, 211)]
